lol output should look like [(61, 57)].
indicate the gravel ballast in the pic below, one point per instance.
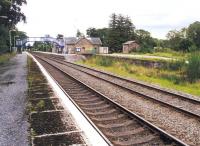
[(182, 126)]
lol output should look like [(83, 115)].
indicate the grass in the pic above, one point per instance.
[(176, 55), (173, 79), (167, 53), (5, 57)]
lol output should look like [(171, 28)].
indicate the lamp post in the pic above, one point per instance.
[(11, 38), (15, 40)]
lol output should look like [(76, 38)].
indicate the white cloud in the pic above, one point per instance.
[(66, 16)]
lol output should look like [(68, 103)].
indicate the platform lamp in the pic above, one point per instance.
[(15, 40), (11, 38)]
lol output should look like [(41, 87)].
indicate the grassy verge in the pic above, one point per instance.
[(5, 57), (176, 55), (173, 79), (167, 54)]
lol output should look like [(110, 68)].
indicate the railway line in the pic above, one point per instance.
[(189, 106), (116, 123)]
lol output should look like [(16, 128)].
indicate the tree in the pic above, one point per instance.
[(193, 33), (79, 34), (4, 39), (42, 46), (92, 32), (174, 37), (185, 44), (145, 40), (12, 10), (101, 33), (121, 29)]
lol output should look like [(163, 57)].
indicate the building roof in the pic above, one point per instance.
[(95, 41), (74, 40), (129, 42), (70, 40)]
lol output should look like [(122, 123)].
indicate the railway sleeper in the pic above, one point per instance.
[(108, 119), (139, 141), (126, 133), (97, 103), (87, 99), (117, 125), (76, 90), (132, 135), (106, 115), (80, 94), (92, 108), (102, 113)]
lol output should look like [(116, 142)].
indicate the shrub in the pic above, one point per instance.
[(176, 65), (193, 67), (144, 49), (5, 57), (160, 49), (104, 61), (193, 48)]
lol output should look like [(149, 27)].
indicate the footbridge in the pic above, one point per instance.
[(22, 42)]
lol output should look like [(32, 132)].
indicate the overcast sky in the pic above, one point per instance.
[(66, 16)]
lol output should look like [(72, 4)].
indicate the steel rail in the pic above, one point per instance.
[(136, 92), (125, 110)]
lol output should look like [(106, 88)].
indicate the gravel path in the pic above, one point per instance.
[(13, 86), (181, 126)]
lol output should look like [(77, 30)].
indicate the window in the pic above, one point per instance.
[(78, 49)]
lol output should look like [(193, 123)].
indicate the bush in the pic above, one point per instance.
[(146, 50), (175, 65), (193, 67), (5, 57), (193, 48), (104, 61), (160, 49)]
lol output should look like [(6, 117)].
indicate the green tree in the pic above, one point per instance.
[(174, 37), (193, 33), (101, 33), (79, 34), (185, 44), (92, 32), (121, 29), (12, 10), (145, 40), (4, 39)]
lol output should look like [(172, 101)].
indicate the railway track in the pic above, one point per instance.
[(120, 126), (178, 102)]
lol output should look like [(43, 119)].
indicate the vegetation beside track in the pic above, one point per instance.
[(165, 52), (174, 75), (5, 57)]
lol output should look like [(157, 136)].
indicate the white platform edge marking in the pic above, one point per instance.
[(93, 136)]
